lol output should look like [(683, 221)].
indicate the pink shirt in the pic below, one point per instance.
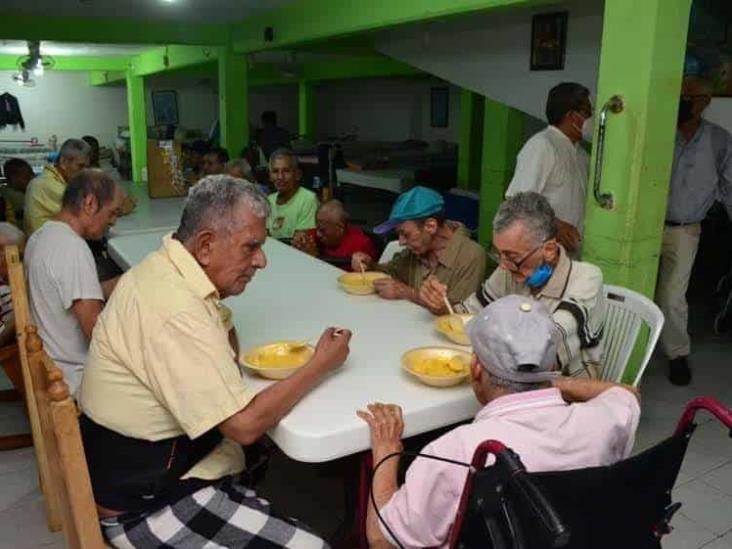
[(546, 432)]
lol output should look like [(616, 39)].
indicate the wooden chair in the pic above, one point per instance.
[(68, 473), (21, 310), (10, 361)]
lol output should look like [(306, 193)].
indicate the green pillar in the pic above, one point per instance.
[(233, 101), (138, 124), (306, 109), (470, 146), (503, 136), (642, 56)]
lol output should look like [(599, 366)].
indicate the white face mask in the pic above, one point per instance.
[(588, 129)]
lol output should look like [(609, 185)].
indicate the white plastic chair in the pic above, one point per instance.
[(391, 249), (626, 312)]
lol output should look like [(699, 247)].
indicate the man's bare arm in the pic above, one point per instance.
[(581, 390), (86, 312)]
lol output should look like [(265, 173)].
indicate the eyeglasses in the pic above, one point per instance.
[(512, 265)]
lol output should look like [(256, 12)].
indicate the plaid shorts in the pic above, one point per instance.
[(225, 514)]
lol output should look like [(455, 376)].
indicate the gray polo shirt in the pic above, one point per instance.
[(702, 173)]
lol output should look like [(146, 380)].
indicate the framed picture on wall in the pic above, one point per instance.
[(165, 107), (548, 41), (440, 107)]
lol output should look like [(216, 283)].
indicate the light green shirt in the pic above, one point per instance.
[(297, 214)]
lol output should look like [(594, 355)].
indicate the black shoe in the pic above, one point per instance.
[(679, 372)]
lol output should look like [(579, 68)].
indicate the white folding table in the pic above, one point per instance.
[(297, 297), (150, 214)]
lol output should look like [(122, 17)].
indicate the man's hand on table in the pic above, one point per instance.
[(388, 288), (568, 236), (129, 203), (332, 348), (305, 242), (360, 258), (386, 426), (432, 295)]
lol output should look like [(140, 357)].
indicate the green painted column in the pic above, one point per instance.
[(138, 124), (503, 137), (470, 145), (642, 56), (233, 101), (306, 109)]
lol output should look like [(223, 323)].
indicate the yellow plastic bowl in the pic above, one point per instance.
[(453, 327), (277, 360), (353, 283), (427, 363)]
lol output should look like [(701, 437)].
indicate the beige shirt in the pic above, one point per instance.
[(160, 363), (460, 266), (575, 296), (43, 199)]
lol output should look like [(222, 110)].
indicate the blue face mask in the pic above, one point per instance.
[(540, 276)]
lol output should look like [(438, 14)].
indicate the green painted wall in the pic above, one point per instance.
[(74, 63), (138, 125), (306, 105), (503, 137), (233, 101), (470, 144), (643, 47), (104, 30)]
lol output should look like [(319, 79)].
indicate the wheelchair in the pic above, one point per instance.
[(627, 505)]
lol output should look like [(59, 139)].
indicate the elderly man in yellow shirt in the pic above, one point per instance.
[(44, 194), (165, 406)]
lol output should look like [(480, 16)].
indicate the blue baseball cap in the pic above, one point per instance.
[(417, 203)]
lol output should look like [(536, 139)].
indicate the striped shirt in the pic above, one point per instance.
[(6, 306), (575, 296)]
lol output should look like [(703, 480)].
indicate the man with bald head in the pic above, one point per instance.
[(334, 237), (702, 173)]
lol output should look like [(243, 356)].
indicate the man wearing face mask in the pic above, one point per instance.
[(554, 164), (701, 174), (532, 263)]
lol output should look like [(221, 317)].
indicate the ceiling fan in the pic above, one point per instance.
[(34, 63)]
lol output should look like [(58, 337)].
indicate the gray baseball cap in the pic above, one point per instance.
[(515, 338)]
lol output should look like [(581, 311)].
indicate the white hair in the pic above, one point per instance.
[(211, 201), (10, 235), (533, 210), (240, 164)]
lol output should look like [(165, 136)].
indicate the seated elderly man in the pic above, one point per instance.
[(433, 248), (532, 262), (65, 294), (45, 192), (525, 406), (214, 161), (165, 406), (241, 169), (293, 207), (18, 174), (334, 237)]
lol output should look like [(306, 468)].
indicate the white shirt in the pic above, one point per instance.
[(551, 165), (61, 270)]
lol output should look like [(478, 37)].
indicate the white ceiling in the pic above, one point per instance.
[(198, 11), (19, 47)]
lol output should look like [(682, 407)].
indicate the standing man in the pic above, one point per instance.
[(554, 164), (701, 174), (271, 137), (65, 294), (43, 198)]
